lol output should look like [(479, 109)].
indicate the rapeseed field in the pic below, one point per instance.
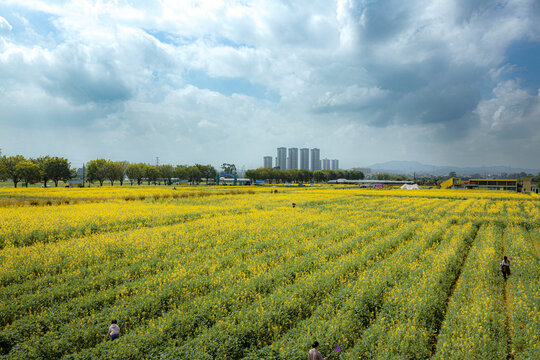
[(205, 272)]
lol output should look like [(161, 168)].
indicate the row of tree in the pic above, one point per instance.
[(29, 171), (101, 170), (43, 169), (301, 176)]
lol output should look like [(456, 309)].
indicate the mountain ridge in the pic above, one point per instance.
[(409, 167)]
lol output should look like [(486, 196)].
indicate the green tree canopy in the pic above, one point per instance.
[(228, 168), (56, 169), (8, 168), (166, 172), (151, 173), (28, 171), (96, 170), (135, 173), (116, 170)]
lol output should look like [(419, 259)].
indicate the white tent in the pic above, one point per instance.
[(410, 187)]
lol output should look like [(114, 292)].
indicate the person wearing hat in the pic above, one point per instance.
[(315, 354)]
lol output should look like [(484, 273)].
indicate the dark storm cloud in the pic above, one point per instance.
[(426, 77)]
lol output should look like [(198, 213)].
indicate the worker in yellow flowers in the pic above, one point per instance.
[(504, 266), (315, 354), (114, 330)]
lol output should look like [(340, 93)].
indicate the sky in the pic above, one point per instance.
[(442, 82)]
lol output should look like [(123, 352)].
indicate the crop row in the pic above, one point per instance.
[(171, 284), (408, 321), (523, 292), (474, 326), (28, 226), (345, 314)]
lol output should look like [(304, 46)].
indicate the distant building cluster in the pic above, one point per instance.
[(306, 159)]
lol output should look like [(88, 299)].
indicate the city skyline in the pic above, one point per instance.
[(307, 162)]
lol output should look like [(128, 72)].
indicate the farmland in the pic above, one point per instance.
[(238, 273)]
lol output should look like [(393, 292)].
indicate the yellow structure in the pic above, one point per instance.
[(452, 183), (492, 184)]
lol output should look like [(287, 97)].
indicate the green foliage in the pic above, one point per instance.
[(8, 168), (28, 171), (135, 173), (96, 170)]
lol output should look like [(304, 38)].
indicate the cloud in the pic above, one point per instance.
[(183, 78), (5, 27), (512, 113)]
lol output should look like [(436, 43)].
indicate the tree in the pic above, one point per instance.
[(228, 168), (8, 168), (181, 172), (116, 170), (306, 175), (167, 173), (151, 173), (252, 175), (319, 176), (28, 171), (194, 174), (55, 169), (293, 175), (135, 172), (42, 163), (355, 175), (207, 171), (96, 170)]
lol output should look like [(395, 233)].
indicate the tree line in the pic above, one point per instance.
[(18, 169), (302, 176), (101, 170), (43, 169)]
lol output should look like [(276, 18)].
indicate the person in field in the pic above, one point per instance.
[(504, 266), (314, 354), (114, 331)]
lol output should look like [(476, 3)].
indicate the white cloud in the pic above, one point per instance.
[(5, 27), (511, 113), (359, 70)]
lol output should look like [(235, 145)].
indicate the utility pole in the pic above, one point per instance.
[(157, 169), (83, 173)]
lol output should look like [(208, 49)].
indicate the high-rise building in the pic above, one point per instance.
[(304, 159), (267, 162), (292, 159), (315, 159), (334, 164), (281, 160), (325, 164)]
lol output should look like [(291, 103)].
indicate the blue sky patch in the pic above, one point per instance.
[(229, 86), (526, 56), (39, 28)]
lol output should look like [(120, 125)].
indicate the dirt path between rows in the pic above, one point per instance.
[(508, 305)]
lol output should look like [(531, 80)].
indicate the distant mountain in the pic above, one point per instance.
[(409, 167)]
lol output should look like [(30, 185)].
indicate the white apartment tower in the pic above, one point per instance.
[(325, 164), (334, 164), (281, 160), (315, 159), (292, 162), (304, 159), (267, 162)]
